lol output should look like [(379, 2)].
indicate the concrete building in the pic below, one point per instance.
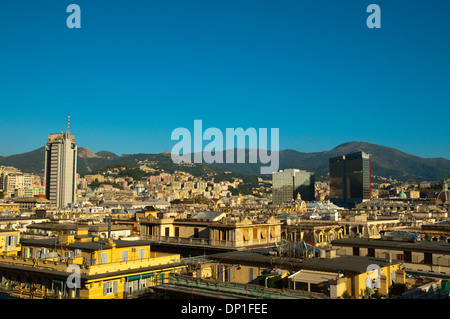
[(198, 235), (331, 276), (32, 203), (420, 257), (60, 169), (13, 182), (319, 233)]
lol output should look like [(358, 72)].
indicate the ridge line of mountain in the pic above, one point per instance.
[(386, 161)]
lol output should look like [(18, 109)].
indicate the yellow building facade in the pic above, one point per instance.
[(9, 242), (72, 266), (224, 232), (9, 208)]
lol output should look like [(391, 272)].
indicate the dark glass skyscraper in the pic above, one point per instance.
[(350, 179)]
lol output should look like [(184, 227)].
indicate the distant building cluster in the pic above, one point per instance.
[(16, 184)]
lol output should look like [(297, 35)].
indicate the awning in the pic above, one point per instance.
[(141, 276), (313, 277)]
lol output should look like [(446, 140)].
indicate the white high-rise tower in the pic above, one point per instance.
[(61, 169)]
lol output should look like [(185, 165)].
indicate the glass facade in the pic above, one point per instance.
[(282, 187), (304, 184), (337, 174), (350, 178), (287, 184)]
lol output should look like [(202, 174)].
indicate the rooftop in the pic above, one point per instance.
[(8, 231), (342, 264), (208, 216), (31, 200), (423, 246), (89, 245)]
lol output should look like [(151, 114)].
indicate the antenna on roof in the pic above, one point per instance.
[(68, 124)]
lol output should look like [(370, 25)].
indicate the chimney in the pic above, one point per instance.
[(66, 239), (110, 243)]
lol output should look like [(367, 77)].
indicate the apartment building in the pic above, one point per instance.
[(78, 266)]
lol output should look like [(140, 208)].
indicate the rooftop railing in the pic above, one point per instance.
[(244, 290)]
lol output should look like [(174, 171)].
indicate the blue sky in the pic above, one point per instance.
[(137, 70)]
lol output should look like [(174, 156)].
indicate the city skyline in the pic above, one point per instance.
[(131, 75)]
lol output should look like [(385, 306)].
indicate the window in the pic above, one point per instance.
[(104, 258), (196, 232), (223, 234), (250, 274), (408, 256), (110, 287), (229, 274), (70, 254), (246, 236), (177, 231), (90, 261), (263, 233), (142, 253), (428, 258), (11, 241), (125, 255), (272, 232)]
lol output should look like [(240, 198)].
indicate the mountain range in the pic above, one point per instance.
[(386, 162)]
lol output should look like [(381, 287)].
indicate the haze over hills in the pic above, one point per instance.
[(386, 162)]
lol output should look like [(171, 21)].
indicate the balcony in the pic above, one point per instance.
[(178, 240), (191, 241)]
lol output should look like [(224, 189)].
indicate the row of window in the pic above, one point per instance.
[(42, 253), (112, 287)]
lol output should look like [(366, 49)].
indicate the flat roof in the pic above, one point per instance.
[(314, 277), (423, 246), (89, 245), (31, 200), (261, 257), (51, 225), (93, 227), (9, 231), (63, 274), (18, 218)]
